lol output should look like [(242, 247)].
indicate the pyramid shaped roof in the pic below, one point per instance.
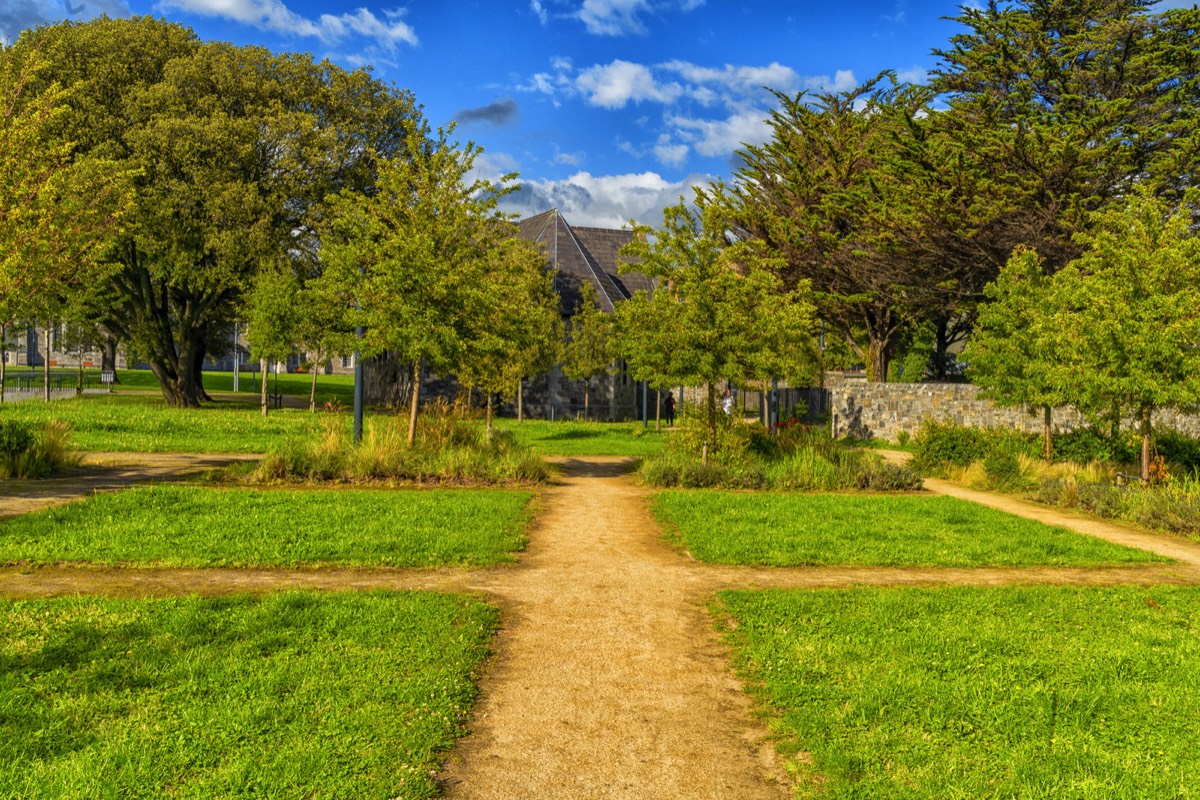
[(576, 255)]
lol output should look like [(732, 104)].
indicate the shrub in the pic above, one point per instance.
[(29, 450), (452, 446)]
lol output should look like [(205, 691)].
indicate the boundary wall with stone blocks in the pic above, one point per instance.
[(884, 410)]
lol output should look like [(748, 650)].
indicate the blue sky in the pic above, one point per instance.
[(608, 109)]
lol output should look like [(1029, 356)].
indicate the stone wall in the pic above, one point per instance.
[(884, 410)]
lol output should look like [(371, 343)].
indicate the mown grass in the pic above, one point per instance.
[(124, 423), (291, 695), (573, 438), (339, 388), (1039, 692), (877, 530), (189, 526)]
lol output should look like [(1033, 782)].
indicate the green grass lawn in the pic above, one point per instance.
[(143, 424), (189, 526), (291, 695), (956, 693), (571, 438), (871, 530)]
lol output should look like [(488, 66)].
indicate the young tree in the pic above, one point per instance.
[(517, 327), (588, 351), (273, 320), (1017, 353), (54, 212), (1130, 313), (410, 259), (719, 313)]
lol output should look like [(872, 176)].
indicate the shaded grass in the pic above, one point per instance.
[(1033, 692), (873, 530), (188, 526), (292, 695), (571, 438), (125, 423)]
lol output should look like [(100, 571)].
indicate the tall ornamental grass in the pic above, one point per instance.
[(791, 456), (452, 447), (31, 450)]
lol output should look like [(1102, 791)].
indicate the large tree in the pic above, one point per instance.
[(863, 197), (719, 313), (237, 149), (1068, 105)]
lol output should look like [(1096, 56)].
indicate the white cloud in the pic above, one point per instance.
[(618, 83), (915, 75), (274, 15), (670, 153), (723, 136), (622, 17), (842, 81), (743, 80), (607, 201), (539, 11)]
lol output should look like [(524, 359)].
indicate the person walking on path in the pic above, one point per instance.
[(669, 409)]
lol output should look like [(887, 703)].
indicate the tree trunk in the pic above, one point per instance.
[(46, 369), (108, 353), (3, 358), (1047, 436), (878, 358), (312, 391), (1145, 415), (262, 386), (521, 400), (587, 390), (711, 445), (415, 403), (79, 376), (489, 415), (199, 353), (657, 408)]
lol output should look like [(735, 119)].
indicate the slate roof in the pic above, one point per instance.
[(583, 254)]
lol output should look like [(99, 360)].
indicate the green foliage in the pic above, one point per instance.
[(34, 449), (450, 448), (1174, 507), (795, 457), (718, 313), (337, 695), (588, 350), (188, 526), (780, 529), (235, 149), (943, 443), (926, 694)]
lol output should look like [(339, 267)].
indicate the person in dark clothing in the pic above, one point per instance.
[(669, 409)]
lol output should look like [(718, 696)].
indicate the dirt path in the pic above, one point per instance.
[(106, 472), (608, 680)]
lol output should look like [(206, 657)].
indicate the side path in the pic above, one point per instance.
[(608, 680), (105, 472)]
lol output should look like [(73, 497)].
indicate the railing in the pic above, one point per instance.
[(59, 381)]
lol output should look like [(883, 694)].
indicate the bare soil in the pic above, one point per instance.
[(608, 679)]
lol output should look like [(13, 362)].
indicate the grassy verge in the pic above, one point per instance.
[(292, 695), (568, 438), (144, 424), (183, 526), (977, 693), (874, 530)]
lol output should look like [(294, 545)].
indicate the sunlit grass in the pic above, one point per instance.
[(291, 695), (573, 438), (925, 694), (182, 526), (876, 530)]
